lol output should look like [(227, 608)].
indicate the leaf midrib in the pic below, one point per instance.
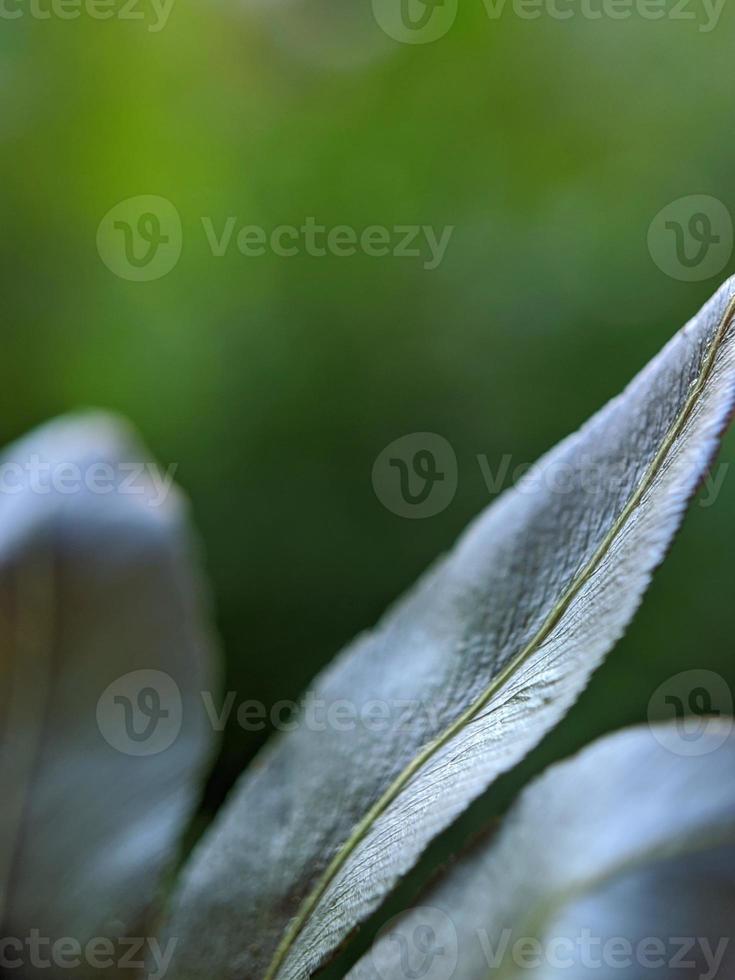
[(310, 903)]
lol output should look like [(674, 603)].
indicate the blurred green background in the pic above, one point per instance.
[(275, 382)]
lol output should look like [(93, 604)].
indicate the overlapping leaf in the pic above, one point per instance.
[(101, 614)]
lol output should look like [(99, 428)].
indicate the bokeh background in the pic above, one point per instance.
[(274, 383)]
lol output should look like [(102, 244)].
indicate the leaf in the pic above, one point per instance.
[(628, 843), (97, 581), (467, 672)]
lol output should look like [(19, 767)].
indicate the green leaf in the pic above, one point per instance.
[(469, 670)]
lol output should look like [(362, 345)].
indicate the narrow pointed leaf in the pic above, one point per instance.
[(468, 672), (101, 615), (604, 867)]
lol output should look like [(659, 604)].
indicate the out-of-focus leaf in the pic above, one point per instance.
[(468, 672), (105, 653), (612, 864)]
